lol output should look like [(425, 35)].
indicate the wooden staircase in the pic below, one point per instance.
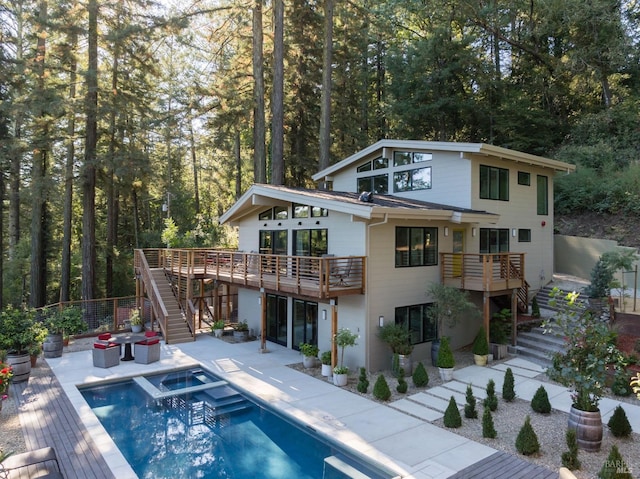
[(176, 330)]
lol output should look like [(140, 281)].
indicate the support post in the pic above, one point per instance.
[(263, 321), (334, 332), (514, 317)]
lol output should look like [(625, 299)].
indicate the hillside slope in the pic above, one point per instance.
[(625, 229)]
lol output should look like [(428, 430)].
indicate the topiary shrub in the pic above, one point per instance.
[(508, 391), (445, 355), (470, 407), (363, 381), (621, 385), (527, 440), (488, 430), (480, 345), (420, 376), (570, 457), (381, 389), (402, 384), (535, 308), (619, 423), (540, 402), (452, 415), (491, 401), (615, 467)]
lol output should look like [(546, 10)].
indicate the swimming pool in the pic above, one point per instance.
[(191, 424)]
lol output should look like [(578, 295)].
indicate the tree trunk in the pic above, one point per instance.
[(325, 102), (89, 167), (194, 164), (277, 106), (236, 152), (259, 134)]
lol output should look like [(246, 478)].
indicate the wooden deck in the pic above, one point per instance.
[(48, 418), (505, 466)]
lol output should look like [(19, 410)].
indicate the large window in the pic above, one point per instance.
[(273, 242), (416, 246), (305, 323), (494, 183), (410, 180), (379, 184), (277, 213), (277, 319), (377, 164), (401, 158), (415, 319), (310, 242), (543, 195), (494, 240)]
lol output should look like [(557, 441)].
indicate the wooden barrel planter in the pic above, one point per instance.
[(588, 427), (21, 365), (52, 346)]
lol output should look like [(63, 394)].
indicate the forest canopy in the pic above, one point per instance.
[(132, 124)]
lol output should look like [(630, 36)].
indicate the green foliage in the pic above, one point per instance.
[(480, 344), (19, 330), (309, 350), (445, 355), (402, 383), (219, 324), (535, 308), (621, 384), (470, 406), (397, 337), (491, 401), (615, 467), (67, 320), (363, 381), (540, 401), (589, 348), (527, 440), (500, 326), (618, 423), (570, 457), (395, 364), (420, 376), (449, 306), (601, 279), (508, 391), (344, 339), (135, 318), (381, 389), (488, 429), (325, 358), (452, 415)]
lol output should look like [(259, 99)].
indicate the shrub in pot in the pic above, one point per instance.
[(136, 321), (218, 328), (61, 323), (446, 362), (325, 359), (344, 339), (19, 331), (480, 347), (398, 339), (310, 353)]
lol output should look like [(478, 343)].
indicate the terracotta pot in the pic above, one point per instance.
[(588, 427)]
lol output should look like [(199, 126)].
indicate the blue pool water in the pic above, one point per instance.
[(211, 431)]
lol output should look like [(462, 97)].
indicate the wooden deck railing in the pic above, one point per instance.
[(483, 272), (317, 277)]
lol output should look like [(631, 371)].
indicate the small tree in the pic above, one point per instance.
[(570, 457), (445, 355), (449, 305), (420, 376), (535, 308), (508, 392), (343, 339), (527, 440), (540, 402), (491, 401), (363, 382), (470, 407), (601, 279), (619, 423), (402, 383), (381, 389), (480, 344), (615, 467), (452, 415), (488, 429)]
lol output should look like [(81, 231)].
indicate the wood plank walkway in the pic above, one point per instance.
[(48, 418), (502, 465)]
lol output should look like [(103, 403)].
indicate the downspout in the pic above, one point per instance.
[(368, 313)]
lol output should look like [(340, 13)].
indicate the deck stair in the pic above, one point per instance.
[(177, 330), (538, 346)]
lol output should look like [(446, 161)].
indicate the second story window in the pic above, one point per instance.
[(275, 213), (416, 246), (543, 195), (494, 240), (411, 180), (494, 183), (379, 184), (310, 242)]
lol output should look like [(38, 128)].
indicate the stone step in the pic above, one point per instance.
[(542, 358)]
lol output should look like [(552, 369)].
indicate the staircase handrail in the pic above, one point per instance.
[(159, 309)]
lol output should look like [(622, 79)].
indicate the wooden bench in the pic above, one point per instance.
[(45, 456)]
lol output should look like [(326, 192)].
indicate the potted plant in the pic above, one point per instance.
[(343, 339), (241, 330), (446, 362), (398, 338), (449, 306), (18, 332), (135, 320), (481, 348), (310, 354), (218, 328), (6, 373), (582, 366), (325, 359), (499, 333)]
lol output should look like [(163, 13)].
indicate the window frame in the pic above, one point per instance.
[(524, 178), (542, 200), (427, 329), (494, 183), (524, 235), (411, 179), (429, 251), (382, 179), (487, 235)]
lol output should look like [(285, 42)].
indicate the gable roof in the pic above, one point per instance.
[(482, 149), (261, 196)]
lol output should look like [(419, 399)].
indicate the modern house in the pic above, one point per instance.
[(362, 249)]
